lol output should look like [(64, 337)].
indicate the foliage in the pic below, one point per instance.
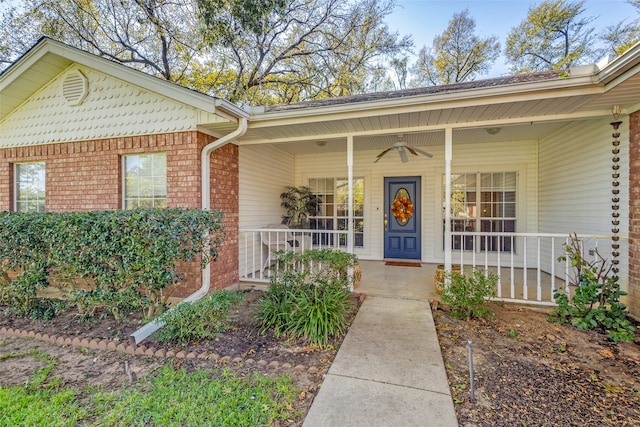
[(554, 36), (309, 296), (457, 55), (621, 36), (160, 37), (596, 301), (168, 397), (266, 52), (202, 319), (118, 261), (467, 294), (299, 203)]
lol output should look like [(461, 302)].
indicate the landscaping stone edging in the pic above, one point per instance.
[(142, 350)]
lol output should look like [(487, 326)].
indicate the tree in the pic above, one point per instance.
[(156, 36), (247, 51), (297, 49), (457, 55), (620, 37), (554, 36)]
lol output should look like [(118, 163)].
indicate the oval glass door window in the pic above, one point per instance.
[(402, 207)]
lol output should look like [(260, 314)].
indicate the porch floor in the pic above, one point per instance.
[(418, 283)]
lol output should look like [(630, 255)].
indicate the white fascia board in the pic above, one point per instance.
[(561, 87), (439, 127), (629, 60)]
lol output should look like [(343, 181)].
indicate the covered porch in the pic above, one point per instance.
[(516, 167)]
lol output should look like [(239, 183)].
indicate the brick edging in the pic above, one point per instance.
[(142, 350)]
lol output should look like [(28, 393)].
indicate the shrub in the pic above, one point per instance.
[(307, 300), (467, 295), (117, 261), (202, 319), (596, 301)]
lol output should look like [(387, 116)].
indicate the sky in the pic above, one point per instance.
[(425, 19)]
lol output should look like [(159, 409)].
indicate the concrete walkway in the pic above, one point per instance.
[(388, 371)]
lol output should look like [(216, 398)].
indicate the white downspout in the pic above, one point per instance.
[(206, 197), (205, 174)]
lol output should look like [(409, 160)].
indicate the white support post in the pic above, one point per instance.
[(448, 156), (350, 237)]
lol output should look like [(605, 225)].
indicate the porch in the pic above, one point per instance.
[(526, 264)]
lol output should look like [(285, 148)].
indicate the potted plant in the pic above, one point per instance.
[(299, 203)]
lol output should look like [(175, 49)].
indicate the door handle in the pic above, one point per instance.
[(385, 224)]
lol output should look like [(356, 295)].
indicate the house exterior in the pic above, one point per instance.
[(515, 161)]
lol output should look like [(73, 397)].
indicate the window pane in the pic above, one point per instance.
[(334, 207), (494, 212), (145, 180), (30, 187)]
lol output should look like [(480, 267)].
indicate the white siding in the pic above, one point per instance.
[(112, 108), (575, 183), (510, 156), (264, 172)]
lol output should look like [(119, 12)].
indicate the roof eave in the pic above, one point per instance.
[(566, 85)]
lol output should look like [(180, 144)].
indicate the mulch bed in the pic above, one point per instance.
[(529, 372)]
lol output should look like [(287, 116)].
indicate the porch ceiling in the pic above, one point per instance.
[(513, 133)]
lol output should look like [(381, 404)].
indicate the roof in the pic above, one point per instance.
[(454, 87)]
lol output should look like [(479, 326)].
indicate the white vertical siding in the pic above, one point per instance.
[(575, 183), (509, 156)]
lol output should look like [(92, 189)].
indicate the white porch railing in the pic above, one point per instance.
[(258, 245), (526, 264)]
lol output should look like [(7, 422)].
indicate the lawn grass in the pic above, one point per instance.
[(168, 397)]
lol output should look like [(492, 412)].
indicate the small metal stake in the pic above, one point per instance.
[(471, 386)]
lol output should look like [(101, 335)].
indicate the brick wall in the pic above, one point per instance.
[(634, 215), (86, 175)]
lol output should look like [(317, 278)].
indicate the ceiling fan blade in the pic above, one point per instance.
[(411, 150), (403, 155), (379, 156), (424, 153)]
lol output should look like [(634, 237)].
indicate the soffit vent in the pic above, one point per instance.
[(75, 87)]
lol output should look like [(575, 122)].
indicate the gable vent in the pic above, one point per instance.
[(75, 87)]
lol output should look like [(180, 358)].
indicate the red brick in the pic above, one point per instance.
[(86, 175)]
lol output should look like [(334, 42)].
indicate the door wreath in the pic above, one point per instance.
[(402, 209)]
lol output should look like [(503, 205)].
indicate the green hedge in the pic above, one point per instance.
[(114, 260)]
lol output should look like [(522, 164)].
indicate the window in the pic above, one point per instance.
[(483, 202), (29, 187), (145, 181), (334, 208)]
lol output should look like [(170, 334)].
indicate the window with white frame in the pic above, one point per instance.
[(334, 208), (483, 202), (29, 189), (145, 180)]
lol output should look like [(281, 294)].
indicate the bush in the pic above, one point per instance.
[(467, 295), (198, 320), (308, 301), (596, 301), (113, 260)]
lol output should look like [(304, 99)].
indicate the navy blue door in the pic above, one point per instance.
[(402, 217)]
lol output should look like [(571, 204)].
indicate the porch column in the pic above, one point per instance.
[(350, 194), (448, 156)]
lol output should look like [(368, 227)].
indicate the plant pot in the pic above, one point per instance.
[(438, 278)]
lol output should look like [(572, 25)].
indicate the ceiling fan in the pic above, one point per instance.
[(401, 147)]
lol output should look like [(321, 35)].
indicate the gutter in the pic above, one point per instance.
[(205, 173)]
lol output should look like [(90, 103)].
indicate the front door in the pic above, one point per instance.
[(402, 217)]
